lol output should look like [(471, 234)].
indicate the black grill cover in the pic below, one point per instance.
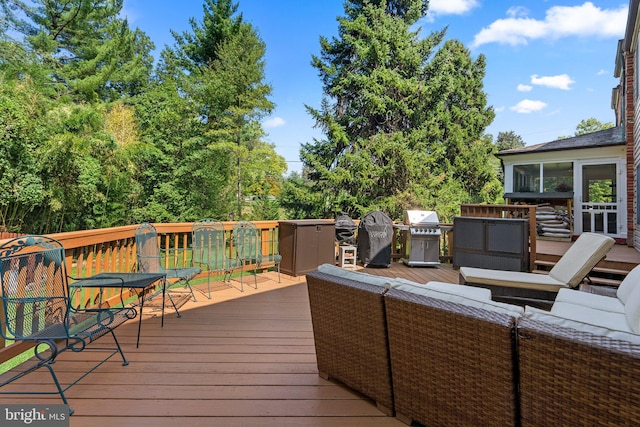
[(375, 235), (345, 229)]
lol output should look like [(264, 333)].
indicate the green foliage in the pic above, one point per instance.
[(212, 84), (404, 121), (508, 140), (21, 131), (92, 136), (588, 126), (591, 125), (86, 50)]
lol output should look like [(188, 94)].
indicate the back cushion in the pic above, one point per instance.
[(632, 310), (354, 275), (581, 257), (629, 283)]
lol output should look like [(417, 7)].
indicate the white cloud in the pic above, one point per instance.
[(560, 21), (499, 109), (524, 88), (451, 7), (274, 122), (516, 11), (562, 81), (602, 73), (527, 106)]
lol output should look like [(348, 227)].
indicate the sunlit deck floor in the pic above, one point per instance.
[(241, 359)]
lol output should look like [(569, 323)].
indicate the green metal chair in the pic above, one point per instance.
[(248, 248), (150, 260), (209, 246)]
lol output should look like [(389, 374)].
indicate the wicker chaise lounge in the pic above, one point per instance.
[(541, 289)]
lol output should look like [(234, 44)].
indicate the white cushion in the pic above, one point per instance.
[(469, 291), (630, 282), (451, 288), (593, 328), (580, 258), (632, 310), (354, 275), (600, 302), (514, 279), (498, 307), (581, 313)]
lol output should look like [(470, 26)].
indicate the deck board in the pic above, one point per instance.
[(241, 359)]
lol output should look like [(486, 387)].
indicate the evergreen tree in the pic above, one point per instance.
[(87, 51), (212, 80), (402, 120), (508, 140)]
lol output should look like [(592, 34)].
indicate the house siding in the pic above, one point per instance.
[(632, 119)]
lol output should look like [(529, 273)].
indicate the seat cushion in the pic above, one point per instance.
[(514, 279), (460, 298), (592, 326), (593, 316), (450, 288), (600, 302), (632, 310)]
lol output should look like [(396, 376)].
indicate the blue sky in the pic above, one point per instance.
[(549, 62)]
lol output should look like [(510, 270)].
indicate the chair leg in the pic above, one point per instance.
[(193, 295), (255, 276), (172, 302)]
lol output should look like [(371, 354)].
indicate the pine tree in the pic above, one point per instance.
[(401, 118), (86, 50), (214, 74)]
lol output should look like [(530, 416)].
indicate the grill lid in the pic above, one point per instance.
[(421, 218)]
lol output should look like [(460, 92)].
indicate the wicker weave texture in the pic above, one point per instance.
[(452, 365), (572, 378), (350, 333)]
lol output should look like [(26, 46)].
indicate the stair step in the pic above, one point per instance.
[(603, 270), (604, 281), (596, 280)]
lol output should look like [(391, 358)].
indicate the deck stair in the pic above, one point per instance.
[(606, 273)]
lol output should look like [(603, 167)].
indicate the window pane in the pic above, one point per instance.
[(557, 177), (526, 178), (599, 183)]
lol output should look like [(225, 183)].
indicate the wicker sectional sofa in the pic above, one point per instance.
[(443, 355), (432, 360)]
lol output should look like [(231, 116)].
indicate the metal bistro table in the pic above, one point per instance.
[(136, 281)]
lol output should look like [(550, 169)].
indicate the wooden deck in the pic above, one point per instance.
[(240, 359)]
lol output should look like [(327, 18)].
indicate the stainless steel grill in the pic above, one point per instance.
[(423, 238)]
